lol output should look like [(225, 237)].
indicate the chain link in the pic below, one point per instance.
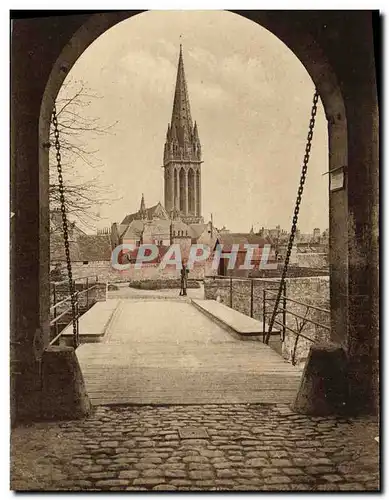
[(61, 189), (296, 211)]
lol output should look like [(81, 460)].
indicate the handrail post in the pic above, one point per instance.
[(231, 292), (284, 313), (75, 340), (55, 307), (252, 299), (264, 315), (295, 349), (87, 294)]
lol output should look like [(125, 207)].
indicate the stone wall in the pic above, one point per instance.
[(106, 273), (293, 272), (312, 260), (248, 298), (86, 299)]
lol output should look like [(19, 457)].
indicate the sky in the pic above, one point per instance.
[(251, 98)]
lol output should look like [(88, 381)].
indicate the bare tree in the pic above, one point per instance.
[(84, 194)]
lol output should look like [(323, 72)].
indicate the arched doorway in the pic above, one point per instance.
[(353, 146), (311, 55)]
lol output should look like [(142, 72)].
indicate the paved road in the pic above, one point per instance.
[(168, 352), (243, 447)]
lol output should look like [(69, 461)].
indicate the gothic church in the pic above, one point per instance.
[(180, 217)]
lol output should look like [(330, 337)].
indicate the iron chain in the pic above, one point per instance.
[(61, 189), (296, 211)]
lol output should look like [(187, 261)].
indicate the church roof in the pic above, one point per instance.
[(155, 210), (198, 229), (134, 229), (122, 228), (157, 227)]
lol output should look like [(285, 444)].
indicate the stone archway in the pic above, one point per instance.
[(43, 52), (303, 44)]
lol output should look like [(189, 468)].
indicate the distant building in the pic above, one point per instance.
[(89, 254), (56, 225), (316, 235), (154, 226), (229, 241)]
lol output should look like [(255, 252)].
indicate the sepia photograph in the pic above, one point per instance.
[(194, 251)]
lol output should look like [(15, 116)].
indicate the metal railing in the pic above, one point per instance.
[(302, 320), (261, 305), (56, 316), (235, 293)]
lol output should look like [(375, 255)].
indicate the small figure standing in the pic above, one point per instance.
[(184, 279)]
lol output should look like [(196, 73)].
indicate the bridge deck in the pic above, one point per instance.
[(162, 352)]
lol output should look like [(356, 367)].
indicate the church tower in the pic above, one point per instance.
[(182, 157)]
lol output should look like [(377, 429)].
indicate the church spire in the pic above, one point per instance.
[(181, 115), (142, 209), (182, 146)]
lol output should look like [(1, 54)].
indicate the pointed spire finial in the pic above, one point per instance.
[(181, 115), (196, 133), (142, 209)]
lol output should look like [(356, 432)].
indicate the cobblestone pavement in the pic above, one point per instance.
[(245, 447)]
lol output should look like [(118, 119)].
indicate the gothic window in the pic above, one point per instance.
[(191, 191), (198, 201), (182, 190), (175, 188)]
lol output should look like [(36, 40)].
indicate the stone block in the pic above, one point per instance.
[(63, 390), (323, 387)]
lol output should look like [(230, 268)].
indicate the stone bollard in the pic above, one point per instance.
[(63, 390), (323, 387)]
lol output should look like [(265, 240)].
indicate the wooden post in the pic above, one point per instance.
[(87, 294), (231, 292)]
